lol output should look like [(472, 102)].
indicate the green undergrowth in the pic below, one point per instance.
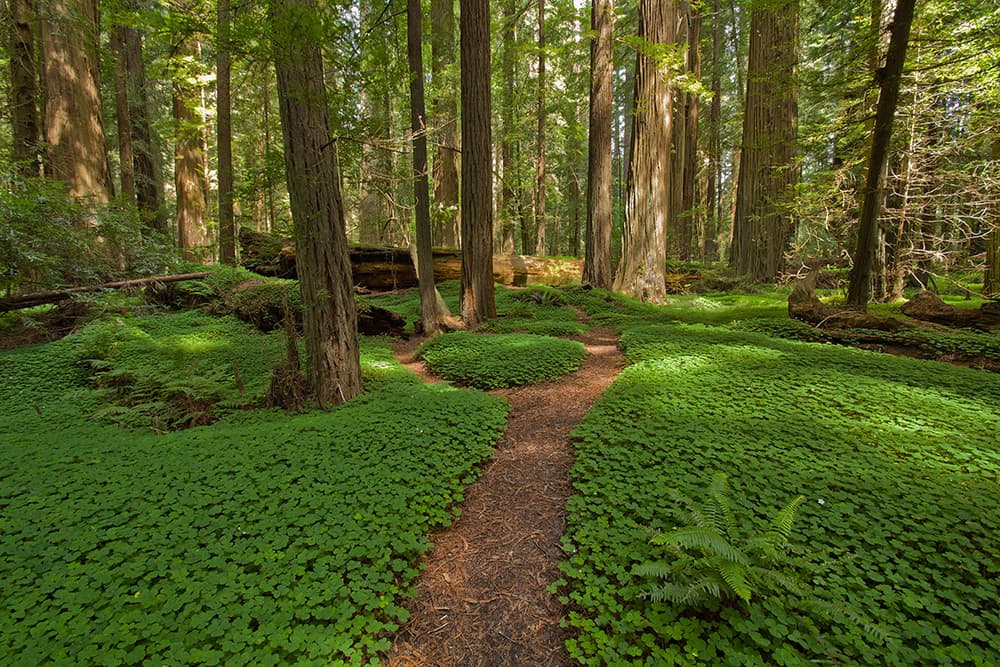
[(263, 538), (896, 546), (491, 361)]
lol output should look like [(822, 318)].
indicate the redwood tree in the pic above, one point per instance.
[(445, 119), (642, 271), (24, 85), (224, 134), (762, 226), (597, 262), (329, 311), (476, 301)]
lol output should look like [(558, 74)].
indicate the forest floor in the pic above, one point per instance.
[(483, 597)]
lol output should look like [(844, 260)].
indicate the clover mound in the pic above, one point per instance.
[(501, 360)]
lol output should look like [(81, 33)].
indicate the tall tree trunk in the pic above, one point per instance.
[(74, 122), (224, 135), (642, 271), (147, 182), (713, 213), (689, 182), (24, 86), (540, 248), (678, 146), (763, 223), (324, 269), (508, 197), (445, 119), (189, 162), (476, 300), (425, 261), (597, 260), (991, 277), (859, 289), (125, 155)]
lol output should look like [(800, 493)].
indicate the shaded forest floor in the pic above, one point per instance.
[(482, 598)]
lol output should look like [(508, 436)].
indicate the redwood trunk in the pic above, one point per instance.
[(224, 136), (189, 165), (329, 311), (476, 302), (597, 263), (642, 271), (24, 87), (445, 119), (540, 248), (508, 197)]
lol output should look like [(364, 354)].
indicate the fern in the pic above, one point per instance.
[(710, 559)]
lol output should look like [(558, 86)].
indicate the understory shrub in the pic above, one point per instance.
[(491, 361), (261, 539)]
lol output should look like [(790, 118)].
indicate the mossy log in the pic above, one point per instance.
[(20, 301), (803, 304)]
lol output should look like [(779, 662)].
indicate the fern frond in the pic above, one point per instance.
[(668, 592), (735, 576), (658, 569), (775, 580), (709, 587), (720, 506), (708, 540), (838, 612), (695, 515), (781, 525)]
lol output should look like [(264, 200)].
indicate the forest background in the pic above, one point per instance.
[(164, 108)]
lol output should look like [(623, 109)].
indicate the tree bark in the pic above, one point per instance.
[(425, 263), (689, 183), (476, 301), (642, 271), (991, 276), (189, 160), (597, 261), (74, 121), (859, 289), (329, 314), (125, 156), (540, 247), (508, 197), (763, 222), (445, 118), (713, 213), (24, 119), (224, 134)]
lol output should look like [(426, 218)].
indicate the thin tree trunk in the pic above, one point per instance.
[(678, 145), (24, 86), (74, 122), (125, 155), (312, 174), (540, 140), (689, 182), (445, 119), (597, 261), (763, 223), (508, 197), (991, 277), (224, 136), (425, 262), (713, 202), (476, 298), (642, 271), (859, 289)]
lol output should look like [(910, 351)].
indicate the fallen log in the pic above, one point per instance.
[(803, 304), (928, 307), (54, 296), (382, 269)]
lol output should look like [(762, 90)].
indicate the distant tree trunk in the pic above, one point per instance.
[(189, 161), (713, 213), (540, 138), (991, 277), (224, 135), (147, 183), (597, 260), (324, 269), (859, 289), (425, 261), (678, 145), (74, 122), (445, 119), (24, 86), (689, 182), (125, 155), (763, 223), (476, 299), (508, 197), (642, 271)]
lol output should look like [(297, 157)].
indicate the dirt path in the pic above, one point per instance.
[(482, 597)]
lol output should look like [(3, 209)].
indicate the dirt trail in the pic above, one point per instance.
[(482, 597)]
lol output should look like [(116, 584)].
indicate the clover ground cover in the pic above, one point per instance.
[(262, 538), (898, 460)]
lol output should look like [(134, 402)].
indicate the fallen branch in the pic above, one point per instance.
[(39, 298)]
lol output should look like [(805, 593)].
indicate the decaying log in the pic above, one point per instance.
[(928, 307), (382, 269), (39, 298), (804, 305)]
